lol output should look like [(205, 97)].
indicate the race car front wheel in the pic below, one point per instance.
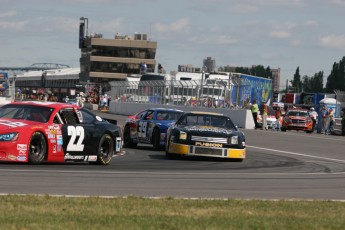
[(37, 148), (156, 138), (105, 150)]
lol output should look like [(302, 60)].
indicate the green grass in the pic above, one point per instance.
[(47, 212)]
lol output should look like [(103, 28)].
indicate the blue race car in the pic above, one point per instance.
[(149, 127)]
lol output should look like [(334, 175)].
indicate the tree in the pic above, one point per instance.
[(296, 82), (313, 84), (336, 80)]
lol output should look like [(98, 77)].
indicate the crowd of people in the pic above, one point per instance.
[(323, 122)]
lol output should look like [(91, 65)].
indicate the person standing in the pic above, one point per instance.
[(254, 108), (313, 116), (343, 122), (278, 116), (324, 115), (331, 121), (264, 112)]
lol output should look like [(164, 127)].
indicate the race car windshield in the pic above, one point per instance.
[(297, 113), (26, 112), (168, 115), (206, 120)]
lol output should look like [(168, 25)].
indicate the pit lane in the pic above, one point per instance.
[(279, 165)]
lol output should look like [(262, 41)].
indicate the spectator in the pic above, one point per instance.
[(313, 115), (324, 116), (66, 99), (343, 122), (264, 112), (254, 108), (331, 121), (278, 117)]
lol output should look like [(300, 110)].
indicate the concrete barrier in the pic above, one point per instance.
[(241, 117), (5, 100), (91, 106)]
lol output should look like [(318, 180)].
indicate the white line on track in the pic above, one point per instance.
[(171, 173), (297, 154)]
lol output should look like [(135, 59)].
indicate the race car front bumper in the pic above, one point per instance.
[(183, 149)]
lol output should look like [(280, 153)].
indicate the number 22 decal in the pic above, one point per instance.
[(75, 132)]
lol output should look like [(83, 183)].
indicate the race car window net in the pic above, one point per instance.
[(69, 117)]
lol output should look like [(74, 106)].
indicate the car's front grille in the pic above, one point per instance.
[(298, 121), (220, 140), (208, 151)]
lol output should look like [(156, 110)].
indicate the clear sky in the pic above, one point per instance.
[(275, 33)]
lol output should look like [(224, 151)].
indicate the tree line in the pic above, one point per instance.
[(308, 84)]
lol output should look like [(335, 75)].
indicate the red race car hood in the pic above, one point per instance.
[(6, 124)]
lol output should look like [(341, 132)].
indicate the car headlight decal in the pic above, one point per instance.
[(234, 140), (183, 136), (9, 136)]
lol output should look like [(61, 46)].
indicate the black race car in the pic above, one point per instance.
[(205, 134)]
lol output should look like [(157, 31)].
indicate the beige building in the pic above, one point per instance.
[(103, 60)]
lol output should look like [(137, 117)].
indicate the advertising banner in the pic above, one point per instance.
[(3, 76), (252, 88)]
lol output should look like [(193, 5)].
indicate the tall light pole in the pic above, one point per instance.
[(204, 68)]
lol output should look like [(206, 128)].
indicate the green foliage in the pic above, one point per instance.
[(336, 80), (296, 82), (257, 70), (313, 84)]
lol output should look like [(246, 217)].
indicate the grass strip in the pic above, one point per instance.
[(49, 212)]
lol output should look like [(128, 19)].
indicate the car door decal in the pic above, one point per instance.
[(142, 129), (74, 132)]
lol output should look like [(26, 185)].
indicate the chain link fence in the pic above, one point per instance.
[(210, 93)]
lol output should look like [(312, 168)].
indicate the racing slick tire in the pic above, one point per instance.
[(170, 155), (127, 141), (37, 148), (156, 136), (105, 150)]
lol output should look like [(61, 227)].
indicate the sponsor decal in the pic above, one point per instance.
[(59, 148), (206, 144), (12, 124), (22, 147), (59, 142), (11, 157), (53, 131), (53, 141), (51, 136), (209, 129), (59, 137), (22, 152), (73, 157), (50, 127), (54, 149), (90, 158), (21, 158), (98, 118)]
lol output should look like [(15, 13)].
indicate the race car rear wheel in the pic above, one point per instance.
[(156, 137), (127, 141), (105, 150), (37, 148)]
